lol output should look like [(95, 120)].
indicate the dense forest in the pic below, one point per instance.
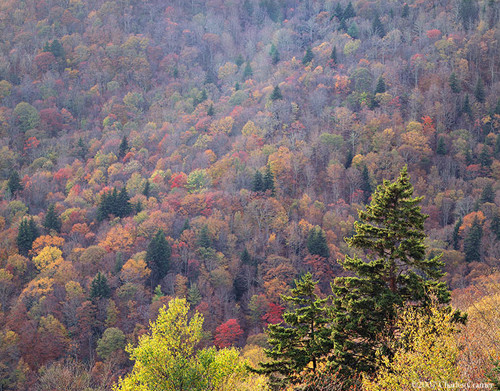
[(198, 176)]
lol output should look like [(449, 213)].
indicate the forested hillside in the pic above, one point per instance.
[(216, 151)]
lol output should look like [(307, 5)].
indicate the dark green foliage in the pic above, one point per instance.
[(308, 56), (14, 183), (26, 235), (258, 182), (56, 49), (394, 272), (203, 96), (353, 30), (338, 11), (211, 111), (204, 239), (488, 194), (239, 60), (303, 339), (497, 107), (237, 86), (342, 25), (247, 72), (333, 55), (365, 185), (240, 286), (81, 149), (119, 262), (472, 242), (194, 296), (494, 375), (52, 220), (485, 157), (466, 109), (158, 257), (248, 7), (269, 180), (245, 257), (468, 13), (349, 11), (455, 239), (316, 242), (99, 288), (272, 9), (405, 11), (123, 148), (497, 146), (479, 91), (377, 27), (276, 94), (454, 83), (147, 189), (441, 146), (348, 160), (275, 55), (114, 203), (495, 225), (185, 226), (380, 87)]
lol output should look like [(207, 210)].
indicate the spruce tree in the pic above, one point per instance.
[(211, 111), (485, 157), (204, 237), (495, 226), (147, 189), (158, 257), (26, 235), (303, 341), (245, 257), (479, 91), (257, 182), (365, 185), (81, 149), (454, 83), (275, 55), (353, 30), (268, 182), (276, 94), (99, 288), (14, 183), (316, 242), (123, 148), (380, 87), (472, 242), (488, 194), (378, 27), (123, 205), (239, 60), (455, 238), (406, 11), (441, 146), (394, 272), (333, 55), (338, 12), (52, 220), (308, 56), (247, 72), (349, 11), (466, 109)]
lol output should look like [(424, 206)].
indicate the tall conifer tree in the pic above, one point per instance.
[(395, 272)]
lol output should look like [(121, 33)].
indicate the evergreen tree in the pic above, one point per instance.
[(342, 25), (365, 185), (81, 149), (468, 13), (158, 257), (114, 203), (52, 220), (239, 60), (245, 257), (99, 288), (203, 96), (395, 273), (472, 242), (269, 180), (380, 88), (488, 194), (275, 55), (123, 148), (14, 183), (57, 49), (316, 242), (248, 7), (406, 11), (333, 55), (194, 296), (185, 226), (304, 338), (497, 146), (497, 107), (258, 182), (276, 94), (247, 72), (211, 111), (441, 146), (308, 57), (378, 27), (147, 189), (454, 83), (485, 157), (455, 238), (495, 226), (348, 160), (349, 11), (466, 109), (353, 30), (26, 235), (236, 86), (479, 91), (338, 12), (123, 205), (204, 237)]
